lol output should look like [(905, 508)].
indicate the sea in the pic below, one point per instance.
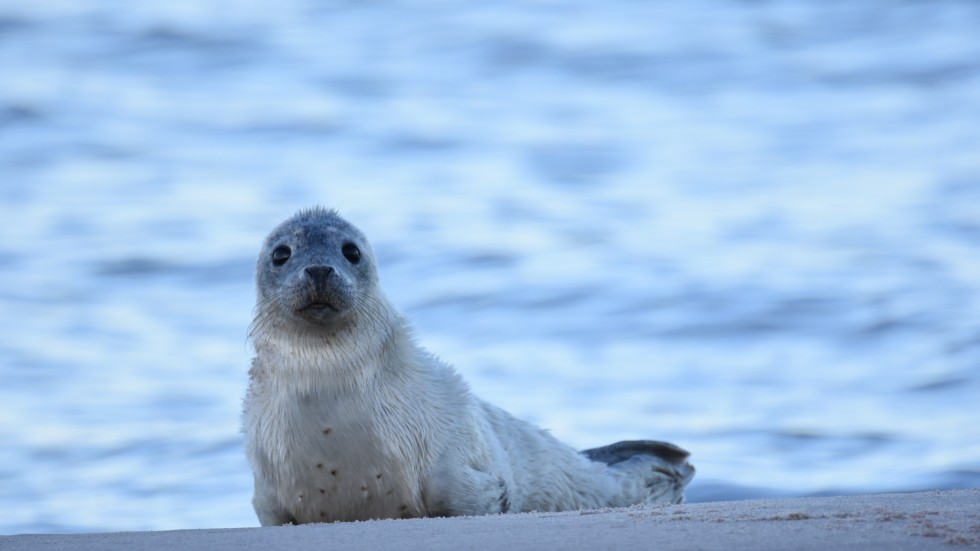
[(747, 227)]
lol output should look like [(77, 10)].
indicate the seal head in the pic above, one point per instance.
[(314, 268)]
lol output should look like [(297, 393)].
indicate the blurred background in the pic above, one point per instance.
[(751, 228)]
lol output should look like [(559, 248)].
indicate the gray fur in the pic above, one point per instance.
[(347, 418)]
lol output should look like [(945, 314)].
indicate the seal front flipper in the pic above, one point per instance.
[(267, 506), (651, 471), (467, 492)]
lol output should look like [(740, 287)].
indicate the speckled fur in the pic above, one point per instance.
[(347, 418)]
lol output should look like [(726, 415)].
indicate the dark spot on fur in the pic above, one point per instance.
[(379, 476), (333, 472), (403, 508), (322, 514), (322, 491), (390, 492), (319, 465), (363, 488), (327, 430)]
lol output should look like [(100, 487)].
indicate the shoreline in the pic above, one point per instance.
[(923, 520)]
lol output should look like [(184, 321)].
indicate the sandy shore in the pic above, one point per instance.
[(926, 520)]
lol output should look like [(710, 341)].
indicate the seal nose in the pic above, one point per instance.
[(319, 275)]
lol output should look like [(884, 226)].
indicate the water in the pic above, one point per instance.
[(750, 228)]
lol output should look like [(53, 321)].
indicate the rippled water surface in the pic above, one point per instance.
[(750, 228)]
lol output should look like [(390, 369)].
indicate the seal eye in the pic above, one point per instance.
[(351, 253), (280, 255)]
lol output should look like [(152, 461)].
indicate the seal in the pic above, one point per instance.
[(347, 418)]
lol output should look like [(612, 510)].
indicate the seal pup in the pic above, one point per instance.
[(347, 418)]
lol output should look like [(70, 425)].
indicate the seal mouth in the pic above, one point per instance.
[(319, 313), (319, 307)]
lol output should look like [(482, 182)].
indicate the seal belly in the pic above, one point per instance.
[(345, 492), (336, 466)]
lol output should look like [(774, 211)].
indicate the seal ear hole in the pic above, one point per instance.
[(351, 253), (281, 254)]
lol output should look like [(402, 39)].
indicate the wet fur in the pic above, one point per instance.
[(352, 420)]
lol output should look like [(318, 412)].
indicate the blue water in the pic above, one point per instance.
[(749, 228)]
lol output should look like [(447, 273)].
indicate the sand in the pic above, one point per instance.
[(924, 520)]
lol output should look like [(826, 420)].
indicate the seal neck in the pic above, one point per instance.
[(346, 358)]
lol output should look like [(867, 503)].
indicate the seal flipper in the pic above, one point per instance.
[(621, 451), (660, 468)]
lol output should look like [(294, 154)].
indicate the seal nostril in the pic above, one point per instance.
[(319, 274)]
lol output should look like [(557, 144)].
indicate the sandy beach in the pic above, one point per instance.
[(923, 520)]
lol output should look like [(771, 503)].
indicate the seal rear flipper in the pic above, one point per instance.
[(621, 451), (656, 472)]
